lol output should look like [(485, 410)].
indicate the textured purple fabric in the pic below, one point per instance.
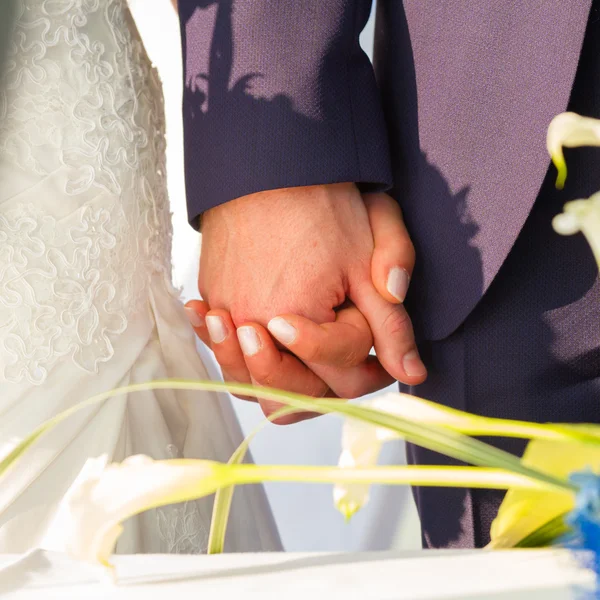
[(467, 104), (278, 94), (531, 348)]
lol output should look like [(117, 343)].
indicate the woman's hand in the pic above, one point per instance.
[(249, 354)]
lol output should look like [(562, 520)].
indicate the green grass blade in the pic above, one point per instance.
[(160, 384), (437, 438), (224, 496), (422, 475), (447, 442), (475, 425), (495, 468), (545, 535)]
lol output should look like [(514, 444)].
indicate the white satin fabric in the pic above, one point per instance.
[(86, 302)]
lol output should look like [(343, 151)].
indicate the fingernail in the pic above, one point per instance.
[(249, 340), (282, 330), (413, 366), (194, 318), (216, 329), (397, 283)]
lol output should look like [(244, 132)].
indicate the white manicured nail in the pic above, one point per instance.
[(194, 318), (282, 330), (397, 283), (249, 340), (216, 329)]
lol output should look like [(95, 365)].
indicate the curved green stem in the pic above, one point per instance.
[(434, 437), (224, 495), (545, 535), (159, 384), (472, 477)]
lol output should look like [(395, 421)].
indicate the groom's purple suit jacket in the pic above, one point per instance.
[(452, 118)]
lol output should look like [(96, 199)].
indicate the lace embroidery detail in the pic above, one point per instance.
[(85, 223), (180, 526)]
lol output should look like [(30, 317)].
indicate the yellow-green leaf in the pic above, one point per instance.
[(524, 511)]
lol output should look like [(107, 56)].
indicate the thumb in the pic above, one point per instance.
[(392, 333), (393, 255)]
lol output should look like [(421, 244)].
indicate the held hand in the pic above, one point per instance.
[(250, 355), (294, 250), (301, 253)]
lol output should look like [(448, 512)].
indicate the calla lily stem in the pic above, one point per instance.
[(473, 477)]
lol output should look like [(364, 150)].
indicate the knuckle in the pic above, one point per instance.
[(396, 322), (312, 353), (263, 378), (359, 271)]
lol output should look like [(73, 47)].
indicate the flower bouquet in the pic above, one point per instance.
[(553, 491)]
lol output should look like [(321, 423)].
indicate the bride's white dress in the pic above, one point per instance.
[(86, 302)]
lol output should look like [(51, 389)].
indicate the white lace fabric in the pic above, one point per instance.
[(84, 216), (86, 302)]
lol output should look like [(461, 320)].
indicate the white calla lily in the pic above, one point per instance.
[(362, 442), (570, 130), (361, 445), (106, 495), (584, 216)]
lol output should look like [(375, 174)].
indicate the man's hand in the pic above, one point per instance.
[(299, 254), (296, 250)]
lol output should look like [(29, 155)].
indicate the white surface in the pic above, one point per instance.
[(305, 514), (515, 575)]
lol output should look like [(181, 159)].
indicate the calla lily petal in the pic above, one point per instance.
[(582, 216), (570, 130), (362, 442), (104, 496)]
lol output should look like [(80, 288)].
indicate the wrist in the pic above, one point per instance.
[(265, 200)]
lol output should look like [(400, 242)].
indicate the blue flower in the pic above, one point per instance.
[(584, 521)]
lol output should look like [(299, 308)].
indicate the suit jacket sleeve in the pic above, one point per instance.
[(278, 93)]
